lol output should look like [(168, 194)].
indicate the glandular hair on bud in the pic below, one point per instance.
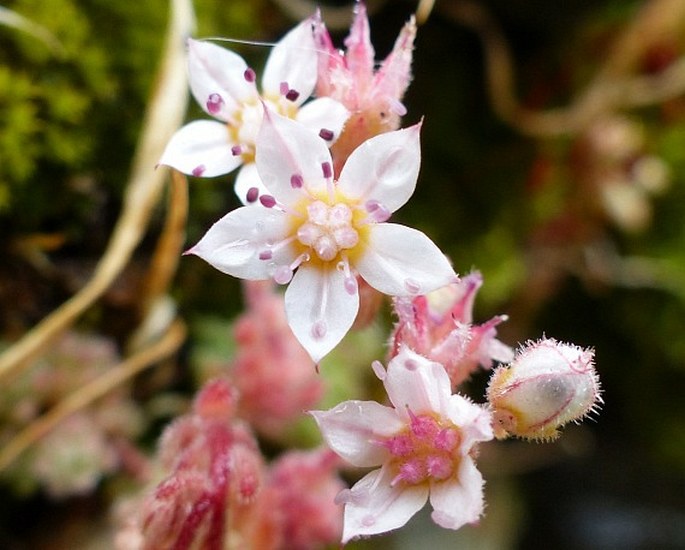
[(547, 385)]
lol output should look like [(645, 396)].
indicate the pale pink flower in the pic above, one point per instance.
[(225, 88), (372, 95), (440, 327), (321, 233), (548, 384), (423, 444)]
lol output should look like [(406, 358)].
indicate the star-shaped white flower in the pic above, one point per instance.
[(423, 444), (225, 87), (318, 234)]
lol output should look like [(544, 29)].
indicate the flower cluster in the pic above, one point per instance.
[(319, 183), (218, 492), (440, 326)]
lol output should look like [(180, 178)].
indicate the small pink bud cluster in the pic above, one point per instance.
[(274, 375), (440, 327), (220, 493), (216, 471), (300, 498), (548, 384), (371, 92)]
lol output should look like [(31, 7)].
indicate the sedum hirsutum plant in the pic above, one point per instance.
[(320, 179), (357, 384)]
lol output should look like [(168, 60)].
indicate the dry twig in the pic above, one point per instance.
[(86, 395), (164, 115), (614, 86)]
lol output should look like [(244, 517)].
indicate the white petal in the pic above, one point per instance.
[(293, 61), (247, 178), (499, 351), (384, 168), (216, 70), (324, 114), (401, 261), (201, 148), (320, 311), (474, 420), (416, 384), (285, 148), (459, 500), (233, 244), (375, 506), (354, 428)]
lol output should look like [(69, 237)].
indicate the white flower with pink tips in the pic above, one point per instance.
[(225, 87), (423, 444), (318, 234)]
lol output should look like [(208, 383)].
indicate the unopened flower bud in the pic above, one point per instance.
[(547, 385)]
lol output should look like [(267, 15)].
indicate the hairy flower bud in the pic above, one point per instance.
[(548, 384)]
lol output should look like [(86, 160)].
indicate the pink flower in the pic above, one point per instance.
[(423, 443), (320, 233), (225, 88), (440, 327), (548, 384), (373, 97)]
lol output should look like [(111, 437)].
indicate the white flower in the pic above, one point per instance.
[(423, 445), (225, 88), (321, 233)]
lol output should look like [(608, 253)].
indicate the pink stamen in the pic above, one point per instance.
[(412, 471), (267, 201), (439, 467), (299, 260), (250, 75), (412, 286), (377, 211), (265, 255), (446, 439), (351, 286), (283, 275), (379, 370), (397, 107), (400, 445), (199, 170), (296, 181), (292, 95), (284, 88), (343, 497), (423, 426), (327, 169), (214, 103), (252, 194), (328, 135), (236, 150)]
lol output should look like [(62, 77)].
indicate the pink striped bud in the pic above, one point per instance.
[(547, 385)]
